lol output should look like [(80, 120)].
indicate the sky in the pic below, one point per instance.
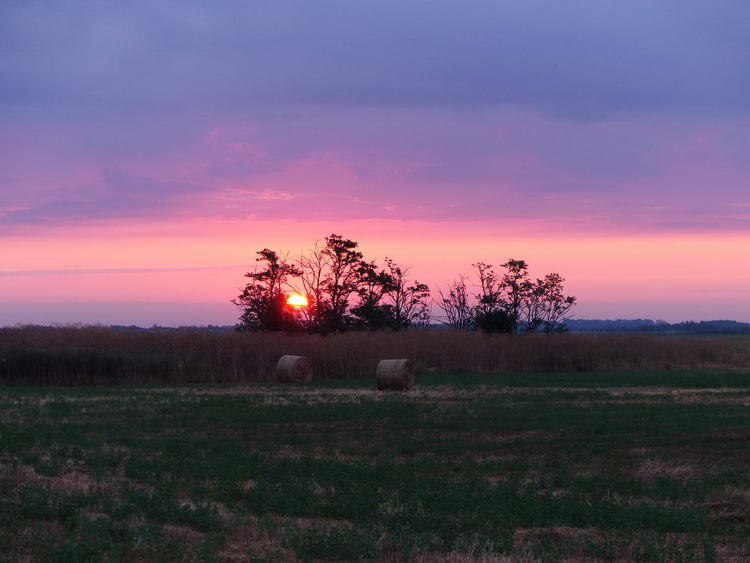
[(149, 148)]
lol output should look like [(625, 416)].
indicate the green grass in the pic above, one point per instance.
[(645, 466)]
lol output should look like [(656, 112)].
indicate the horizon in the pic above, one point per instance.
[(148, 150), (180, 314)]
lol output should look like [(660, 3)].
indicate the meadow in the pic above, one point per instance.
[(176, 445), (646, 465), (96, 355)]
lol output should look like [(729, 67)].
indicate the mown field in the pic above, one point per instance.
[(641, 465)]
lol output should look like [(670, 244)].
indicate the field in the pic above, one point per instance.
[(94, 355), (646, 465)]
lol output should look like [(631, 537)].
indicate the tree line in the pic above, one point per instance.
[(507, 301), (340, 290)]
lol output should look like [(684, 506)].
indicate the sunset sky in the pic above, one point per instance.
[(148, 149)]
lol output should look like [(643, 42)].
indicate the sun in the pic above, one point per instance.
[(296, 300)]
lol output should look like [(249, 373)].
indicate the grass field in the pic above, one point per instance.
[(610, 466), (38, 355)]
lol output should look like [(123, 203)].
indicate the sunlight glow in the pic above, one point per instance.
[(297, 300)]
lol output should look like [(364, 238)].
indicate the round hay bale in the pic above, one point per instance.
[(291, 369), (395, 375)]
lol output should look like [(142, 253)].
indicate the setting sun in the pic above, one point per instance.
[(297, 300)]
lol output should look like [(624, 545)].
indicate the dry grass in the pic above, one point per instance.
[(573, 541), (652, 469), (253, 542), (68, 356), (461, 557)]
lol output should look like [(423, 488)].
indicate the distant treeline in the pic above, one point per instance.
[(649, 325), (571, 325)]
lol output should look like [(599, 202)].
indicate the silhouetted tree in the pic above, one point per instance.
[(490, 296), (516, 287), (531, 308), (370, 313), (554, 303), (345, 291), (490, 313), (389, 299), (409, 300), (456, 306), (263, 300), (497, 321), (331, 274), (508, 303), (313, 267), (347, 273)]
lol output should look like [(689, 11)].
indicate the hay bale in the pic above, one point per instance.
[(395, 375), (291, 369)]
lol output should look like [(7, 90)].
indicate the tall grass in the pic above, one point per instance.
[(69, 356)]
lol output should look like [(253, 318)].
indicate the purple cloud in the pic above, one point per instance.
[(618, 115)]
